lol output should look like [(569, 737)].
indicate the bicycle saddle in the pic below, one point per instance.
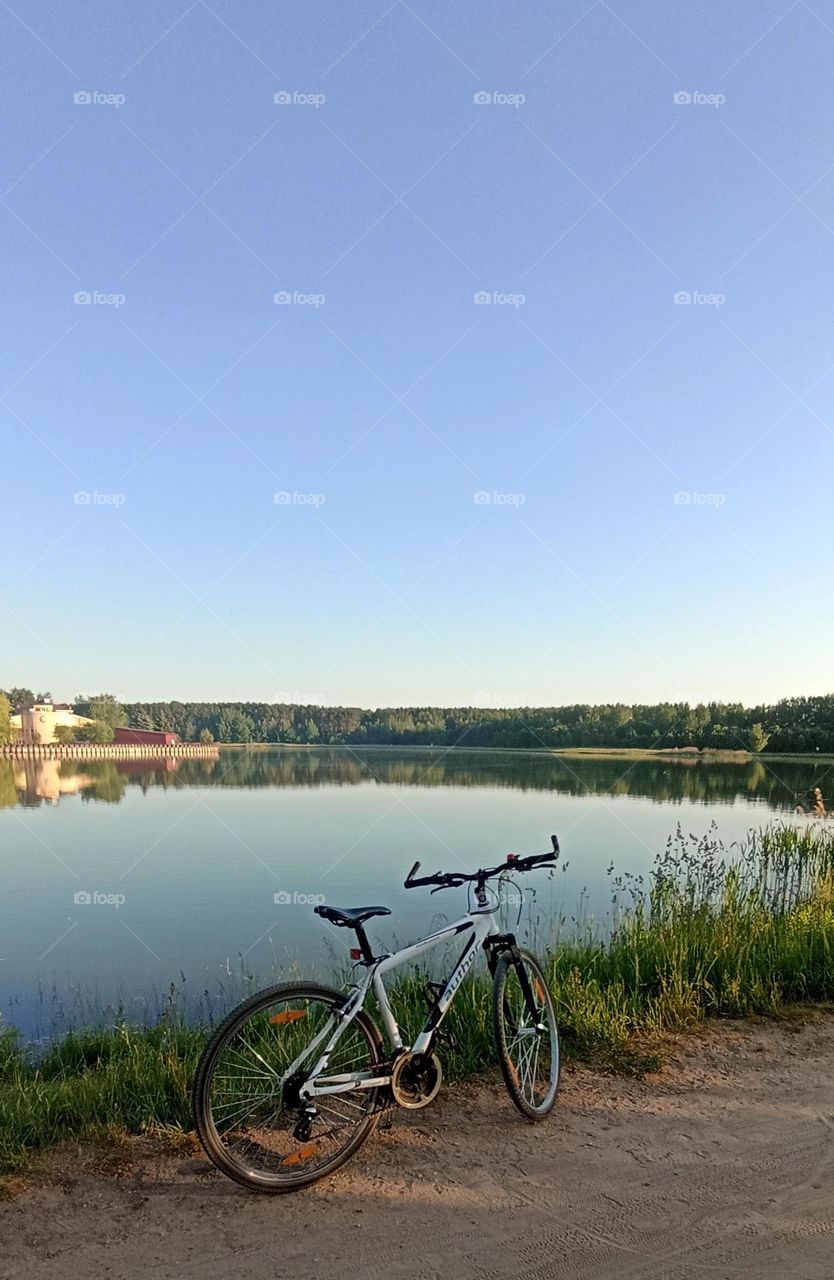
[(350, 917)]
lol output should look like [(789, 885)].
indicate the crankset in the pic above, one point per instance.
[(416, 1079)]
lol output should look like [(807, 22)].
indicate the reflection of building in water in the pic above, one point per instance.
[(38, 723), (50, 779), (42, 780), (165, 764)]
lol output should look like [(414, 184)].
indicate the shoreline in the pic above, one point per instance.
[(107, 751), (681, 755), (199, 750)]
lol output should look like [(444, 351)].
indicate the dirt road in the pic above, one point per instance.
[(720, 1166)]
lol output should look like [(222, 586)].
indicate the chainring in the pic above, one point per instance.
[(416, 1079)]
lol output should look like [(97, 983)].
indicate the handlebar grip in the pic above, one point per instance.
[(540, 859), (406, 882)]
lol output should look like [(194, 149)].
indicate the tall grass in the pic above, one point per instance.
[(712, 933)]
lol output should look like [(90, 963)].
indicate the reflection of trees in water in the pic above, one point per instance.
[(782, 786), (665, 781), (8, 790), (47, 781)]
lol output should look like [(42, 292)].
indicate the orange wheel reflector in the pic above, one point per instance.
[(302, 1154), (289, 1015), (539, 990)]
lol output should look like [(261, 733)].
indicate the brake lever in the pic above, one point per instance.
[(455, 884)]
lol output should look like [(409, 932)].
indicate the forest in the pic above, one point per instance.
[(792, 725), (804, 724)]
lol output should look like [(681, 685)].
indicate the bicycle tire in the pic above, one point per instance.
[(290, 1171)]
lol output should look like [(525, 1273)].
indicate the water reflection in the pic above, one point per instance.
[(785, 786)]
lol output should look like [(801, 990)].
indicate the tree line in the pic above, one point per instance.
[(791, 725)]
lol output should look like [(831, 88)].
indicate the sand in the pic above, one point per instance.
[(721, 1165)]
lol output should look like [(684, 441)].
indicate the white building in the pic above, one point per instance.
[(39, 723)]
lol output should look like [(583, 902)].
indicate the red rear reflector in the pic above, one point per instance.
[(355, 953), (289, 1015)]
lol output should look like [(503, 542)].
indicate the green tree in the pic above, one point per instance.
[(65, 733), (99, 731), (206, 736), (6, 732), (758, 738), (20, 698), (106, 708)]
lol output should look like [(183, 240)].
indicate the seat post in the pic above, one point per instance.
[(364, 946)]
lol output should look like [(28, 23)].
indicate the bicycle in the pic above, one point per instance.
[(294, 1080)]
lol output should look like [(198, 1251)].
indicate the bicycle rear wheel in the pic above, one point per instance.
[(526, 1034), (247, 1108)]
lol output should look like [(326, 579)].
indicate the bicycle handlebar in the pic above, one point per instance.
[(453, 879)]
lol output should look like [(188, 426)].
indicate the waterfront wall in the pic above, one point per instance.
[(106, 751)]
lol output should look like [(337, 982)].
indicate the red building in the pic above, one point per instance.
[(144, 737)]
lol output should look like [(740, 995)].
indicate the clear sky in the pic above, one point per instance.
[(627, 154)]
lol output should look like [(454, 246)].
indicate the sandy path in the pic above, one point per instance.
[(721, 1166)]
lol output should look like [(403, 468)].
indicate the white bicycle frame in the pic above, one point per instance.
[(482, 924)]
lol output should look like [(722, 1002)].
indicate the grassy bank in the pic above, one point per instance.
[(711, 933)]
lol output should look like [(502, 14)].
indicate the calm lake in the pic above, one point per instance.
[(120, 879)]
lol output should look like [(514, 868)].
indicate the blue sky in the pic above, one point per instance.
[(658, 518)]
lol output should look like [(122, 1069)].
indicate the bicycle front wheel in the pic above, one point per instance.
[(249, 1114), (526, 1034)]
